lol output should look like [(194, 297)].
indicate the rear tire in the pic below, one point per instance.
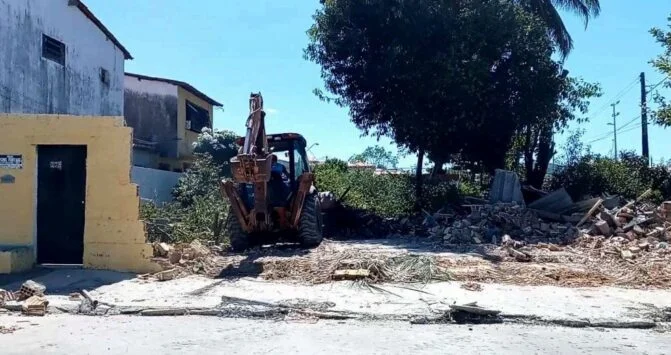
[(238, 237), (310, 233)]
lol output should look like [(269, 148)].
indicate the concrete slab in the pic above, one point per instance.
[(546, 302)]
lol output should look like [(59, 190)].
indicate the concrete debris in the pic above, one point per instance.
[(506, 188), (75, 296), (184, 259), (491, 222), (162, 249), (475, 309), (602, 228), (166, 275)]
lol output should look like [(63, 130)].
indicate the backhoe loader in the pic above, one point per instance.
[(271, 199)]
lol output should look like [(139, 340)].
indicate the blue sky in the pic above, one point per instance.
[(228, 49)]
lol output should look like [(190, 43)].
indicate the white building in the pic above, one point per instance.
[(57, 57)]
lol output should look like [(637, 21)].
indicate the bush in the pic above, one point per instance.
[(387, 195), (199, 209), (593, 175), (174, 223)]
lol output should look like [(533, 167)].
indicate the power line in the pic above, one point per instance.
[(628, 123), (617, 96), (632, 128), (657, 85)]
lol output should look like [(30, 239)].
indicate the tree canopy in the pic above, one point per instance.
[(377, 156), (548, 12), (663, 64)]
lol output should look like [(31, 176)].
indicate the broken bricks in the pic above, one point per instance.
[(35, 306)]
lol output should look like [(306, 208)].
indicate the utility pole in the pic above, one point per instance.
[(644, 119), (615, 114)]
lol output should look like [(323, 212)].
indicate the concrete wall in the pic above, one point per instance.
[(188, 137), (114, 237), (30, 83), (145, 158), (155, 185), (150, 108)]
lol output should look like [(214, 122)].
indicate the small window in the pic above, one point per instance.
[(164, 166), (53, 49), (197, 117), (105, 76)]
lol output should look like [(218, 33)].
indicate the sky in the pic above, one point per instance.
[(228, 49)]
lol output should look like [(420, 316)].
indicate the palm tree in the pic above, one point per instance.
[(548, 11)]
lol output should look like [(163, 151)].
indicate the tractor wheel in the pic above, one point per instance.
[(238, 237), (310, 223)]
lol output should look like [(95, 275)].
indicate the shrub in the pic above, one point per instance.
[(387, 195), (629, 176), (198, 211), (201, 180)]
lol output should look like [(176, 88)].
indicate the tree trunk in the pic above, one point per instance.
[(438, 167), (545, 153), (418, 179)]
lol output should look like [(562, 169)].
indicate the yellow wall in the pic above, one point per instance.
[(114, 237), (188, 137)]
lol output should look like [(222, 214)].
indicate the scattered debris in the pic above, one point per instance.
[(472, 286), (75, 296), (162, 249), (184, 259), (166, 275), (91, 301), (469, 313), (8, 330)]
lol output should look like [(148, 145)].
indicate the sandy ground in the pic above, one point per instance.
[(202, 335)]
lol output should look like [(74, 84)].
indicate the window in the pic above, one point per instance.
[(299, 163), (53, 49), (105, 76), (197, 117)]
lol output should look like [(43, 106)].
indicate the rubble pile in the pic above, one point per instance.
[(184, 259), (29, 299), (489, 223), (630, 231)]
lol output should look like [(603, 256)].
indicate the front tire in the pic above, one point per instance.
[(238, 237), (310, 233)]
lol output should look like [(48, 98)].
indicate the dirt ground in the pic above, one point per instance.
[(421, 260)]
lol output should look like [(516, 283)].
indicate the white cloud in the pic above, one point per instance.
[(271, 111)]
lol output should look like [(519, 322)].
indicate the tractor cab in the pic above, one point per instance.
[(292, 162)]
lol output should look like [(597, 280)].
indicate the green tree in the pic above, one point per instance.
[(220, 146), (443, 78), (548, 11), (413, 72), (377, 156), (662, 63)]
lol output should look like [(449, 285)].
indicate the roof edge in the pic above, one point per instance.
[(184, 85), (85, 10)]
